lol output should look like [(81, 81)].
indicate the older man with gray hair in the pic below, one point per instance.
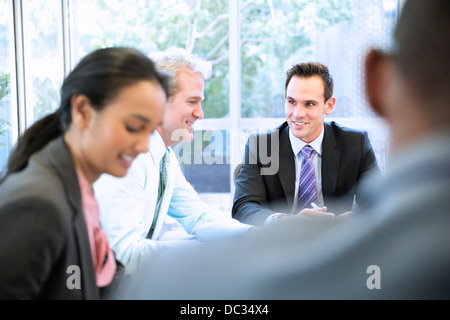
[(133, 209)]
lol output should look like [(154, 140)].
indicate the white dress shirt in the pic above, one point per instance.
[(297, 145), (127, 206)]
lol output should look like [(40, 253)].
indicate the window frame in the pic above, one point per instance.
[(21, 118)]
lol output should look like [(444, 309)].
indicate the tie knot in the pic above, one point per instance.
[(165, 156), (307, 151)]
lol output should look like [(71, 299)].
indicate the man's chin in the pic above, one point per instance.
[(300, 134)]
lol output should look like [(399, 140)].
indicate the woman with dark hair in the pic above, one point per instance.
[(52, 245)]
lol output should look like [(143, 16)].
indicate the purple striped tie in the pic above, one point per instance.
[(307, 185)]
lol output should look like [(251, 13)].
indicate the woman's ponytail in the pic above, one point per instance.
[(33, 140)]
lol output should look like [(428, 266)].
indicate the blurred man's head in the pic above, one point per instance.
[(409, 85), (423, 50)]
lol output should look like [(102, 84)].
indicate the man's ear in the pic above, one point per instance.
[(330, 105), (81, 111), (375, 79)]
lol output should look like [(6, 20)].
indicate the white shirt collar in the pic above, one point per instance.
[(157, 147), (298, 144)]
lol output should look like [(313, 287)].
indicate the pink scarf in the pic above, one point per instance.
[(102, 255)]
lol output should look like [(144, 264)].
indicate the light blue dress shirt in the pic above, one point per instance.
[(127, 206)]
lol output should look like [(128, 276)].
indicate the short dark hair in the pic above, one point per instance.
[(309, 69), (422, 52)]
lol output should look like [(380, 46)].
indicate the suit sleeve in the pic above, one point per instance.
[(32, 238), (250, 197), (369, 171)]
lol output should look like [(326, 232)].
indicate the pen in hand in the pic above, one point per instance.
[(316, 207)]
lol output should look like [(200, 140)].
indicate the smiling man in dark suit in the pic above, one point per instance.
[(279, 179)]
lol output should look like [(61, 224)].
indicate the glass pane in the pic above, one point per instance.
[(199, 26), (277, 34), (343, 48), (206, 162), (6, 65), (43, 53), (379, 138)]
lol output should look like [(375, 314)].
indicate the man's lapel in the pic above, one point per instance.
[(287, 165), (331, 158), (60, 158)]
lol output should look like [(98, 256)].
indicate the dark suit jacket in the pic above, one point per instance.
[(347, 161), (43, 230)]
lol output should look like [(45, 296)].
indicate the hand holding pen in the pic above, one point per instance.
[(315, 211)]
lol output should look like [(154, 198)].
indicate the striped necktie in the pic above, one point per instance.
[(307, 185), (162, 186)]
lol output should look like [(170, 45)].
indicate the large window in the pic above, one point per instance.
[(5, 82), (199, 26), (43, 58), (31, 66), (251, 43)]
